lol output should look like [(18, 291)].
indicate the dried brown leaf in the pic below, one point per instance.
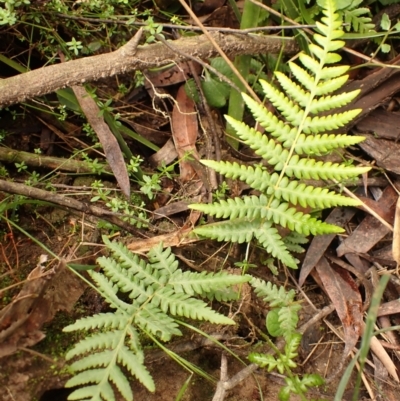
[(185, 130), (345, 295), (107, 139)]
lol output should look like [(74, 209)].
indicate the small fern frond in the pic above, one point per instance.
[(301, 74), (318, 170), (283, 214), (290, 110), (96, 341), (163, 259), (250, 206), (157, 322), (268, 149), (109, 290), (202, 283), (238, 230), (318, 124), (257, 177), (288, 318), (272, 242), (121, 382), (307, 195), (101, 320), (317, 145), (85, 393), (89, 376), (325, 103), (293, 242), (276, 296), (358, 21), (295, 91), (134, 364), (184, 305), (326, 72), (93, 360), (327, 87), (125, 281), (124, 260), (292, 346)]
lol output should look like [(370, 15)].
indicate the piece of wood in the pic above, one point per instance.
[(130, 58)]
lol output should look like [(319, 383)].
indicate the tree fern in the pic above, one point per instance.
[(155, 291), (291, 142)]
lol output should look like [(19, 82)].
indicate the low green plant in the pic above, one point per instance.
[(132, 211), (292, 141), (281, 321), (216, 91), (147, 297), (9, 10)]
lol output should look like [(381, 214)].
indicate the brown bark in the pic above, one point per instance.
[(128, 58)]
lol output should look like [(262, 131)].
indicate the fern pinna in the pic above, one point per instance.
[(157, 291), (290, 143)]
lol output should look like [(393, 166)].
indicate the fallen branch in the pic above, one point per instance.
[(66, 202), (129, 58), (50, 162)]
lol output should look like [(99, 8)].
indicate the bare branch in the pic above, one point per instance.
[(49, 79)]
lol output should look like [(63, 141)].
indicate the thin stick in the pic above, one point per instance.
[(220, 51)]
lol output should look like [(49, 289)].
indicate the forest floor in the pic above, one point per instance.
[(38, 151)]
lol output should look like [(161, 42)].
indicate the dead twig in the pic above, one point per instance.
[(68, 203)]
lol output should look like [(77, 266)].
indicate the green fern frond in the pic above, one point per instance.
[(318, 124), (159, 291), (358, 21), (298, 132), (96, 341), (288, 317), (307, 195), (101, 320), (268, 236), (267, 120), (283, 214), (318, 170), (131, 362), (267, 148), (317, 145), (85, 393), (292, 345), (283, 316), (325, 103), (202, 283), (295, 91), (120, 381), (327, 72), (257, 177), (157, 322), (238, 230), (294, 242), (90, 361), (163, 259), (248, 206), (276, 296)]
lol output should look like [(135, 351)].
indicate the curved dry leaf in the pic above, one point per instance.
[(345, 295), (107, 139), (184, 131)]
